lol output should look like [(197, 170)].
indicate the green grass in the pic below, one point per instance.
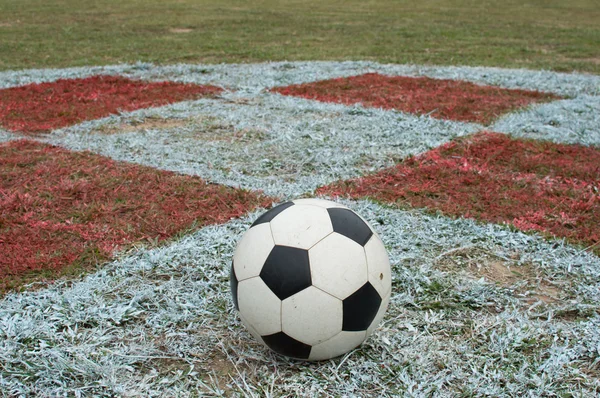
[(550, 34)]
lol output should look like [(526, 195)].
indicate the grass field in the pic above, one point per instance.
[(123, 196), (538, 34)]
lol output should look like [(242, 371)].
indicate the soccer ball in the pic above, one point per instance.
[(310, 279)]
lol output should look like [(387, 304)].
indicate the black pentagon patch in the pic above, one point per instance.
[(270, 214), (346, 222), (286, 271), (233, 283), (283, 344), (360, 308)]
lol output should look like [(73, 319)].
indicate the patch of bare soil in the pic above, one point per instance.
[(180, 30), (208, 128), (524, 280), (203, 128), (215, 368), (593, 60), (150, 123), (533, 287)]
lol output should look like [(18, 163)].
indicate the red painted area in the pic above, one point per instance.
[(532, 185), (39, 108), (57, 206), (444, 99)]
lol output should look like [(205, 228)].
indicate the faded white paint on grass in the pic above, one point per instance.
[(298, 145), (256, 77), (155, 321), (571, 121), (6, 136)]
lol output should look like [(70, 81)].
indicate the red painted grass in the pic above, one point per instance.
[(444, 99), (532, 185), (59, 207), (39, 108)]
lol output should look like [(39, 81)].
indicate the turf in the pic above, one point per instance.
[(533, 185), (477, 309), (60, 208), (40, 108), (554, 34), (444, 99)]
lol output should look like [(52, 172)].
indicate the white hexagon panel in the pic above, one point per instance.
[(325, 204), (378, 263), (301, 226), (339, 344), (252, 251), (251, 329), (338, 265), (311, 316), (259, 306)]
